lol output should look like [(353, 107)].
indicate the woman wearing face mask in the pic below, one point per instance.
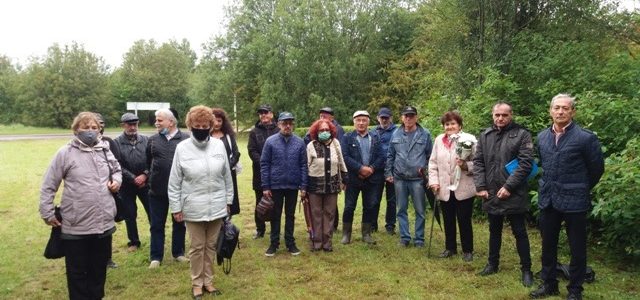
[(90, 173), (327, 177), (223, 131), (200, 192), (456, 201)]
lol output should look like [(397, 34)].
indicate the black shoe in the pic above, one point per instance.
[(390, 231), (544, 291), (574, 296), (258, 235), (271, 251), (527, 278), (112, 264), (294, 250), (447, 253), (488, 270), (467, 256), (329, 249)]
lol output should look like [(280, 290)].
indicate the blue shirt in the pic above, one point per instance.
[(365, 147)]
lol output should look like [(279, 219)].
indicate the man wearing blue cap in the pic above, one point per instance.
[(383, 133), (283, 170)]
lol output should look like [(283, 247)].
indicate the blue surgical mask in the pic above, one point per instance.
[(88, 137), (164, 131), (324, 136)]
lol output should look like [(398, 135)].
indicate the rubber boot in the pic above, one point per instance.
[(346, 233), (366, 234)]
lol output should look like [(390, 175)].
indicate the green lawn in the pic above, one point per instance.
[(354, 271)]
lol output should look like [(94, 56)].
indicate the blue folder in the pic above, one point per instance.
[(513, 165)]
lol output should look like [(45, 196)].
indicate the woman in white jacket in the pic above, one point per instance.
[(200, 193), (451, 180)]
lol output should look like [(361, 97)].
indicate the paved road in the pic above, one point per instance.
[(16, 137)]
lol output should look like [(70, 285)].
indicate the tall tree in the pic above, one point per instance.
[(67, 80)]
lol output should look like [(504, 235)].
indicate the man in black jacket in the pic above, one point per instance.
[(160, 150), (504, 195), (264, 128), (133, 161)]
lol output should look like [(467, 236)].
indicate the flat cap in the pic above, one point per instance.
[(285, 115), (129, 118), (360, 113)]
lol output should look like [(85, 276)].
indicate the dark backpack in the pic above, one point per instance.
[(227, 244)]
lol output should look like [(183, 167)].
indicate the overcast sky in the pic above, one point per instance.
[(106, 28)]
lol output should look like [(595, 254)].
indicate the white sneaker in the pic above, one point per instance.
[(182, 259), (154, 264)]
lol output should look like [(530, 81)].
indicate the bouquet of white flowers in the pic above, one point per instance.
[(465, 147)]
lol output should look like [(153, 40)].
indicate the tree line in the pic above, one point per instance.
[(352, 54)]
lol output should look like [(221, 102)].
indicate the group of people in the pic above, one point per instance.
[(194, 178), (190, 176)]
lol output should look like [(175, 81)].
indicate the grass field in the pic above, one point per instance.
[(354, 271)]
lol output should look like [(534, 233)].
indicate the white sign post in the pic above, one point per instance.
[(136, 106)]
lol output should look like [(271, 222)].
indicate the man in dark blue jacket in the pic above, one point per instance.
[(283, 168), (365, 163), (573, 164), (383, 132)]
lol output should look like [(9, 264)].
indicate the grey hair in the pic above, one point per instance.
[(165, 112), (572, 100), (502, 103)]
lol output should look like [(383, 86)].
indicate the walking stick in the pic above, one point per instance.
[(435, 211)]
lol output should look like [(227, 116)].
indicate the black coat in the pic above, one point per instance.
[(234, 157), (257, 137), (160, 153), (132, 158), (353, 159), (495, 149)]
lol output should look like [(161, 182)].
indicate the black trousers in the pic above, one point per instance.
[(128, 194), (86, 265), (576, 228), (260, 225), (519, 230), (390, 212), (460, 210), (287, 199)]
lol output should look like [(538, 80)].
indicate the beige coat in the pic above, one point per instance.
[(442, 165)]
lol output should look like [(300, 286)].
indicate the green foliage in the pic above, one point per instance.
[(67, 81), (614, 118), (615, 202), (8, 78)]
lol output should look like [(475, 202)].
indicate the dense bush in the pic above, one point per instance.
[(616, 206)]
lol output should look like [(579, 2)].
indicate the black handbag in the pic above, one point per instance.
[(54, 248), (116, 198), (264, 209), (227, 244)]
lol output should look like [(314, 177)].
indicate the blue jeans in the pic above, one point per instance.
[(404, 189), (159, 208)]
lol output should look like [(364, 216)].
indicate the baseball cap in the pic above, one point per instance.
[(285, 115), (408, 110), (384, 112)]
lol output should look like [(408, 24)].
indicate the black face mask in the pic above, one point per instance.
[(200, 134)]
